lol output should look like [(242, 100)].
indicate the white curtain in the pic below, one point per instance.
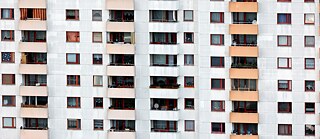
[(97, 80)]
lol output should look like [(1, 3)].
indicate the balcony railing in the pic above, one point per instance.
[(35, 128), (244, 65), (163, 130), (167, 86), (34, 106), (113, 129)]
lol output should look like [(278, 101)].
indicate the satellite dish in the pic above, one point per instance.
[(156, 105)]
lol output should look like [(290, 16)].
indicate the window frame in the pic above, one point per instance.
[(289, 83), (13, 122), (222, 126), (185, 126), (185, 83), (305, 41), (289, 40), (76, 14), (305, 63), (78, 124), (11, 14), (12, 36), (222, 106), (185, 39), (13, 79), (221, 62), (221, 14), (77, 78), (288, 19), (185, 102), (77, 58), (221, 43), (94, 103), (288, 127), (78, 102), (305, 86), (222, 84), (93, 40), (184, 16), (289, 63), (12, 57), (13, 99), (288, 110), (305, 108)]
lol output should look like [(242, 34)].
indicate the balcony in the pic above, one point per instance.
[(121, 135), (121, 16), (34, 80), (121, 114), (238, 73), (120, 38), (34, 112), (120, 26), (243, 51), (238, 117), (243, 29), (32, 25), (244, 96), (164, 126), (120, 4), (163, 82), (121, 82), (120, 71), (163, 38), (245, 129), (34, 134), (33, 91), (32, 3), (243, 7), (121, 92), (244, 137), (120, 48), (40, 47), (33, 69)]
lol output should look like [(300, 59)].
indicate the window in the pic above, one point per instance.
[(188, 37), (218, 128), (97, 37), (73, 102), (74, 124), (308, 0), (8, 79), (310, 130), (309, 107), (189, 103), (284, 107), (284, 18), (9, 122), (284, 85), (284, 40), (97, 80), (96, 15), (73, 58), (217, 17), (7, 14), (189, 81), (33, 14), (7, 57), (189, 125), (217, 84), (98, 102), (73, 36), (188, 15), (7, 35), (284, 129), (309, 19), (217, 39), (217, 62), (188, 60), (309, 86), (72, 14), (98, 124), (73, 80), (309, 41), (97, 59), (284, 63), (8, 101), (217, 105), (309, 63)]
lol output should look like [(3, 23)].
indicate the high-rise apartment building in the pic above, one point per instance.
[(159, 69)]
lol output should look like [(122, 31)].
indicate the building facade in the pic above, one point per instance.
[(159, 69)]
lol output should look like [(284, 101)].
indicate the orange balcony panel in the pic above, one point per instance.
[(120, 26), (244, 137), (243, 29), (32, 3), (33, 91), (236, 73), (120, 48), (244, 96), (236, 117), (120, 71), (40, 47), (121, 135), (32, 25), (243, 7), (33, 134), (34, 112), (33, 69), (243, 51), (121, 114), (120, 4), (121, 93)]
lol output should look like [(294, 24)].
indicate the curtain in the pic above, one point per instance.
[(73, 37), (283, 62), (5, 13), (282, 18), (72, 102), (189, 59), (7, 79), (216, 105), (309, 63), (96, 15), (97, 80), (283, 40), (283, 84), (284, 129), (159, 37), (97, 37), (309, 19)]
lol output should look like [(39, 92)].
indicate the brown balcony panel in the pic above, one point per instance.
[(33, 134), (121, 135), (244, 137), (244, 95), (120, 4), (243, 51), (120, 48), (34, 112), (243, 7), (121, 114), (237, 73), (120, 26), (33, 69), (33, 47), (120, 71), (32, 3), (243, 29), (236, 117), (32, 25)]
